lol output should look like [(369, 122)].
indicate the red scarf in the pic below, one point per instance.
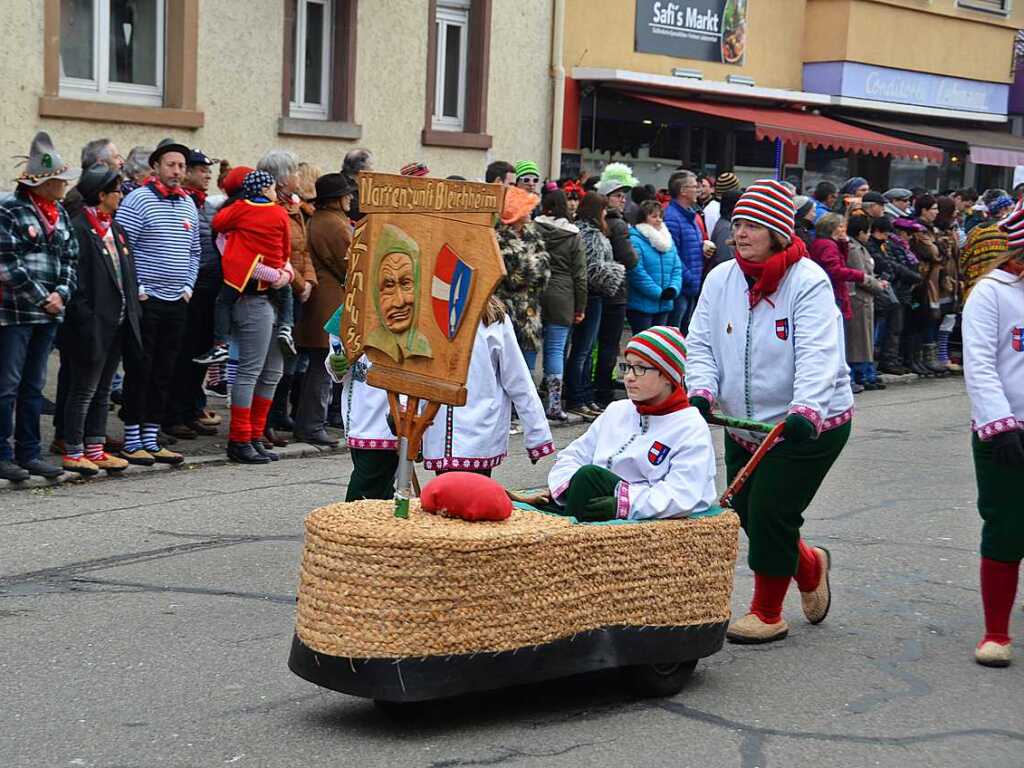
[(163, 190), (677, 401), (100, 221), (768, 274), (198, 195), (47, 209)]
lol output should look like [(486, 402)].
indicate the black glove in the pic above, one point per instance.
[(702, 405), (668, 293), (798, 429), (1008, 449), (598, 509)]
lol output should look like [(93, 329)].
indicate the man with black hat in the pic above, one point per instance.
[(38, 259), (186, 414), (873, 204), (162, 226)]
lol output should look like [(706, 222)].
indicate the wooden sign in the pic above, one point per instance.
[(422, 265)]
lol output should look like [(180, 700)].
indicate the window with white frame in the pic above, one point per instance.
[(1000, 7), (310, 84), (112, 50), (452, 30)]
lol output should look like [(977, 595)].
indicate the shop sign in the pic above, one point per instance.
[(898, 86), (705, 30)]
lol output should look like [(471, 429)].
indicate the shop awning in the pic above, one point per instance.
[(795, 127), (987, 147)]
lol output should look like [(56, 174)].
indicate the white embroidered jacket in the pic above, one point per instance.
[(993, 331), (786, 355), (365, 408), (667, 463), (475, 436)]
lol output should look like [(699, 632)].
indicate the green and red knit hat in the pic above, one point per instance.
[(663, 347)]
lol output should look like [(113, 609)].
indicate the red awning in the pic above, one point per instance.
[(795, 127)]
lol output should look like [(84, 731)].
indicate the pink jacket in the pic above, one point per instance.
[(830, 255)]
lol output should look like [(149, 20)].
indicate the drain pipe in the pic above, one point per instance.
[(558, 89)]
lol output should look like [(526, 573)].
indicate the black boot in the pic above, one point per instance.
[(278, 417), (916, 366), (258, 446), (930, 360), (244, 453), (890, 361)]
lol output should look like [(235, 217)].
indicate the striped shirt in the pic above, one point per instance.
[(164, 236)]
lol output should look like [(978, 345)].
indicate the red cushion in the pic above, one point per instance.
[(467, 496)]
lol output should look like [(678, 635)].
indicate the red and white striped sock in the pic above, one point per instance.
[(94, 451)]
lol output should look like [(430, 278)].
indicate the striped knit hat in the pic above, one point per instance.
[(414, 169), (663, 347), (524, 167), (1013, 226), (768, 203), (726, 182)]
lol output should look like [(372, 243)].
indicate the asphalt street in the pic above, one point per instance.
[(146, 621)]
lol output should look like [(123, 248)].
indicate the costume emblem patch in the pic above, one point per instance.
[(782, 328), (657, 453), (449, 291), (1017, 339)]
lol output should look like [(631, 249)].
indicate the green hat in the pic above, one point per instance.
[(616, 176), (524, 167)]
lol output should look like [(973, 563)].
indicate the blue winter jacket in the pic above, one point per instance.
[(681, 222), (655, 271)]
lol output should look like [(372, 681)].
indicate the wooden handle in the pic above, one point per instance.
[(744, 474)]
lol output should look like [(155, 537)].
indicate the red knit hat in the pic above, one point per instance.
[(768, 203), (234, 178)]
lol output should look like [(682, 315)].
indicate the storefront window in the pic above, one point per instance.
[(823, 164)]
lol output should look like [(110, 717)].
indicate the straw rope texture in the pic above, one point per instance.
[(374, 586)]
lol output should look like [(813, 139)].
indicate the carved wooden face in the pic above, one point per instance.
[(397, 289)]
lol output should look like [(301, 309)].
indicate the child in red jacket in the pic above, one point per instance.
[(256, 257)]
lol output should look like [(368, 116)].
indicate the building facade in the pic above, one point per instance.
[(904, 92), (452, 83)]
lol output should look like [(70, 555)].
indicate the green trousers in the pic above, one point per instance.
[(373, 475), (771, 505), (1000, 505), (590, 482)]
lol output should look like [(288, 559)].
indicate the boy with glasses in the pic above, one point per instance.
[(644, 458)]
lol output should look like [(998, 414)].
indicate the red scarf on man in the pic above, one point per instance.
[(677, 401), (47, 209), (165, 191), (198, 196), (99, 220), (768, 274)]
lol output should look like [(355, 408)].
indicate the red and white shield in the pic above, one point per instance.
[(782, 328)]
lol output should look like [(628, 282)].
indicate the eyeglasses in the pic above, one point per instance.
[(637, 370), (530, 179)]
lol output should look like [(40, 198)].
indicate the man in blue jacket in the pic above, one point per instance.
[(681, 220)]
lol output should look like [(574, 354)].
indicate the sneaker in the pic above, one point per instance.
[(217, 354), (164, 456), (284, 338), (140, 457), (110, 463), (750, 630), (514, 428), (81, 465), (992, 654), (220, 389)]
